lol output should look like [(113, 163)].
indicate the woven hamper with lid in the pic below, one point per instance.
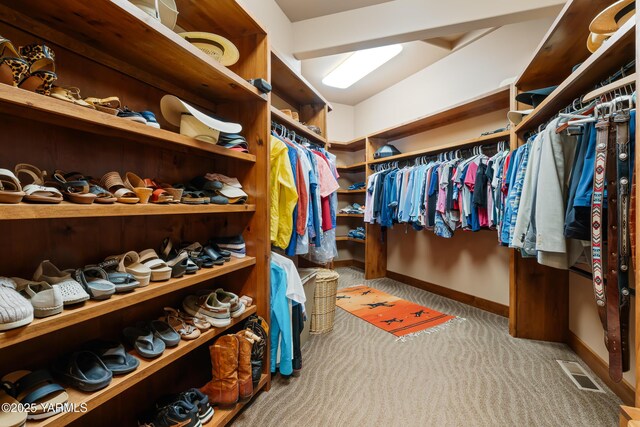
[(324, 310)]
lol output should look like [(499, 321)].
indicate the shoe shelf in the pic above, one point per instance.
[(24, 211), (300, 129), (362, 191), (138, 44), (93, 309), (342, 215), (147, 368), (223, 416), (610, 57), (33, 106), (349, 239), (354, 168)]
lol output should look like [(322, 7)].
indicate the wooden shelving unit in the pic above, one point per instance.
[(147, 368), (349, 239), (354, 168), (23, 211), (108, 49), (353, 145), (299, 128), (93, 309)]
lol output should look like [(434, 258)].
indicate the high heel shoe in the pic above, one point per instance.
[(13, 68), (42, 68)]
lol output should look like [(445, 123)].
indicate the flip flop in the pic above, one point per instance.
[(37, 192), (114, 357), (144, 341), (124, 282), (95, 281), (112, 181), (36, 388), (84, 370), (10, 188), (162, 330)]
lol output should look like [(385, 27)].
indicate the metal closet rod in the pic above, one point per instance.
[(283, 131)]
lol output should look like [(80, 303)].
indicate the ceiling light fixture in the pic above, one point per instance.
[(358, 65)]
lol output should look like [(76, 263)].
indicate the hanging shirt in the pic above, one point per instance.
[(284, 195)]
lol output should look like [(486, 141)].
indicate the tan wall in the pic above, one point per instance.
[(585, 323)]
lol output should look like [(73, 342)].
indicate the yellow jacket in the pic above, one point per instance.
[(284, 195)]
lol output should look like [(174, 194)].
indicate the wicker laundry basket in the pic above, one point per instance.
[(324, 310)]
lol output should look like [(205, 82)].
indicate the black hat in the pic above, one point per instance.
[(536, 96), (387, 150)]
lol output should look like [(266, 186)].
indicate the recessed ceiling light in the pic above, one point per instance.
[(359, 65)]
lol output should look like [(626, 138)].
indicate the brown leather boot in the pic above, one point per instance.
[(223, 388), (245, 383)]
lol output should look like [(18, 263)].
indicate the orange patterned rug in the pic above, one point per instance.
[(393, 314)]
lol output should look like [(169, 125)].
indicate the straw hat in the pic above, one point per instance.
[(613, 17), (218, 47)]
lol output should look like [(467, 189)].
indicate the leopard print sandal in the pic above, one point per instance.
[(42, 68), (13, 68)]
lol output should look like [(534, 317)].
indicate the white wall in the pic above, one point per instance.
[(280, 29), (466, 73), (340, 123)]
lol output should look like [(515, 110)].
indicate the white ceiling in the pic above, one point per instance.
[(414, 57), (299, 10)]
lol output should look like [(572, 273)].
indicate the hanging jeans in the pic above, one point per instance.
[(298, 326), (280, 330)]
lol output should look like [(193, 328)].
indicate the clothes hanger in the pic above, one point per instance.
[(610, 87)]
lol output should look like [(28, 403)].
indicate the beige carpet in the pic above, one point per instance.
[(472, 374)]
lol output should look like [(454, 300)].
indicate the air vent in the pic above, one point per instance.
[(579, 376)]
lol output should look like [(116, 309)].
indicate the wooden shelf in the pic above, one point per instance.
[(147, 368), (446, 147), (291, 86), (349, 239), (563, 47), (353, 145), (491, 101), (222, 417), (30, 105), (616, 52), (342, 215), (23, 211), (300, 129), (92, 309), (363, 191), (224, 17), (128, 32), (356, 167)]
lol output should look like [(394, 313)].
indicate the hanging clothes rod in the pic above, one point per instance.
[(283, 131)]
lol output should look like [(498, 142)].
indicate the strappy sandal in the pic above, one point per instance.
[(160, 271), (13, 68), (106, 105), (136, 184), (95, 281), (195, 198), (102, 195), (37, 192), (159, 195), (76, 191), (123, 281), (177, 260), (10, 188), (198, 321), (185, 330), (113, 182), (70, 94), (42, 68), (175, 193)]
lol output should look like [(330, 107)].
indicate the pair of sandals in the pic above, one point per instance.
[(145, 266), (206, 256), (30, 67), (72, 94), (202, 191), (178, 260), (134, 189), (44, 397), (150, 339)]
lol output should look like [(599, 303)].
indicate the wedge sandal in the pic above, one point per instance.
[(160, 271), (38, 389), (106, 105), (130, 263), (37, 192), (75, 191), (112, 181), (10, 188), (178, 261), (159, 195), (42, 68), (175, 193), (136, 184)]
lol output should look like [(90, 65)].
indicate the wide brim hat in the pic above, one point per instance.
[(536, 96), (594, 41), (218, 47), (613, 17), (516, 116), (173, 108)]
